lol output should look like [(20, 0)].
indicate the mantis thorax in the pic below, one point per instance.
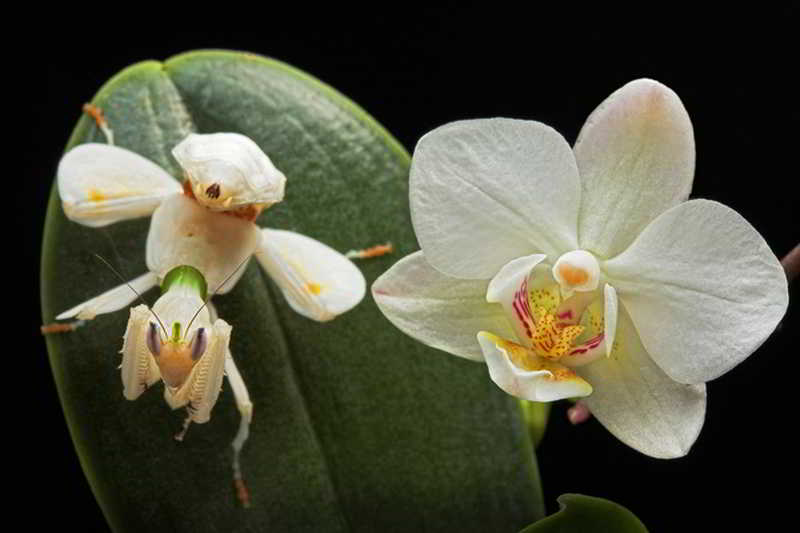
[(185, 275)]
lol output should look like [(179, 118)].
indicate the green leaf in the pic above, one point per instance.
[(587, 514), (356, 426)]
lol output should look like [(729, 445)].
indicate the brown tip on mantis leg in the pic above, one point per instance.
[(242, 494), (245, 407), (97, 114), (56, 327), (372, 251)]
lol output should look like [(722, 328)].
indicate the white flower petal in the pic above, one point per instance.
[(229, 170), (638, 403), (184, 232), (100, 184), (610, 312), (636, 159), (317, 281), (510, 289), (703, 289), (519, 372), (443, 312), (503, 286), (484, 192), (112, 300)]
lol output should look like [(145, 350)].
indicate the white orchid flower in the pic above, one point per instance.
[(585, 272)]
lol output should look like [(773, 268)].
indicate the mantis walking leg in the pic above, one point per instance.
[(245, 407)]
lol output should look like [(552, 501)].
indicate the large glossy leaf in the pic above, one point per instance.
[(587, 514), (356, 426)]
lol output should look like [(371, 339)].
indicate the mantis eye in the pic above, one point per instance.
[(213, 191), (153, 340), (199, 343)]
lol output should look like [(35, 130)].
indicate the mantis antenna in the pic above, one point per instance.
[(208, 298), (166, 334)]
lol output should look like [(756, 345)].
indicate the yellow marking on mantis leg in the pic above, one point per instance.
[(96, 196), (314, 288)]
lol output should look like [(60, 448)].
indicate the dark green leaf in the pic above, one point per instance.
[(356, 426), (587, 514)]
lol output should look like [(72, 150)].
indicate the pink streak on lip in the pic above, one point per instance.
[(522, 309), (522, 319), (592, 343)]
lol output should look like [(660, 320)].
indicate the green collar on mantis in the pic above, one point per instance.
[(186, 276)]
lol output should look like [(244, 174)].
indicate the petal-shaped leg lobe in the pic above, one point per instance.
[(317, 281), (703, 289), (438, 310), (100, 184)]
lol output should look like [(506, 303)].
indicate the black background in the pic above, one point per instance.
[(735, 75)]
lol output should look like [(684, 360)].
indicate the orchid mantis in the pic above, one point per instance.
[(200, 235)]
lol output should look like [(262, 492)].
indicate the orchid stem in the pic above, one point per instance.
[(791, 263)]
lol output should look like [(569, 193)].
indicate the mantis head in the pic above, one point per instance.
[(175, 356)]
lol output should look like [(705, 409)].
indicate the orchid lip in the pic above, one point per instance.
[(549, 320)]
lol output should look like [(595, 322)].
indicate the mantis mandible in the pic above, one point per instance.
[(200, 234)]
